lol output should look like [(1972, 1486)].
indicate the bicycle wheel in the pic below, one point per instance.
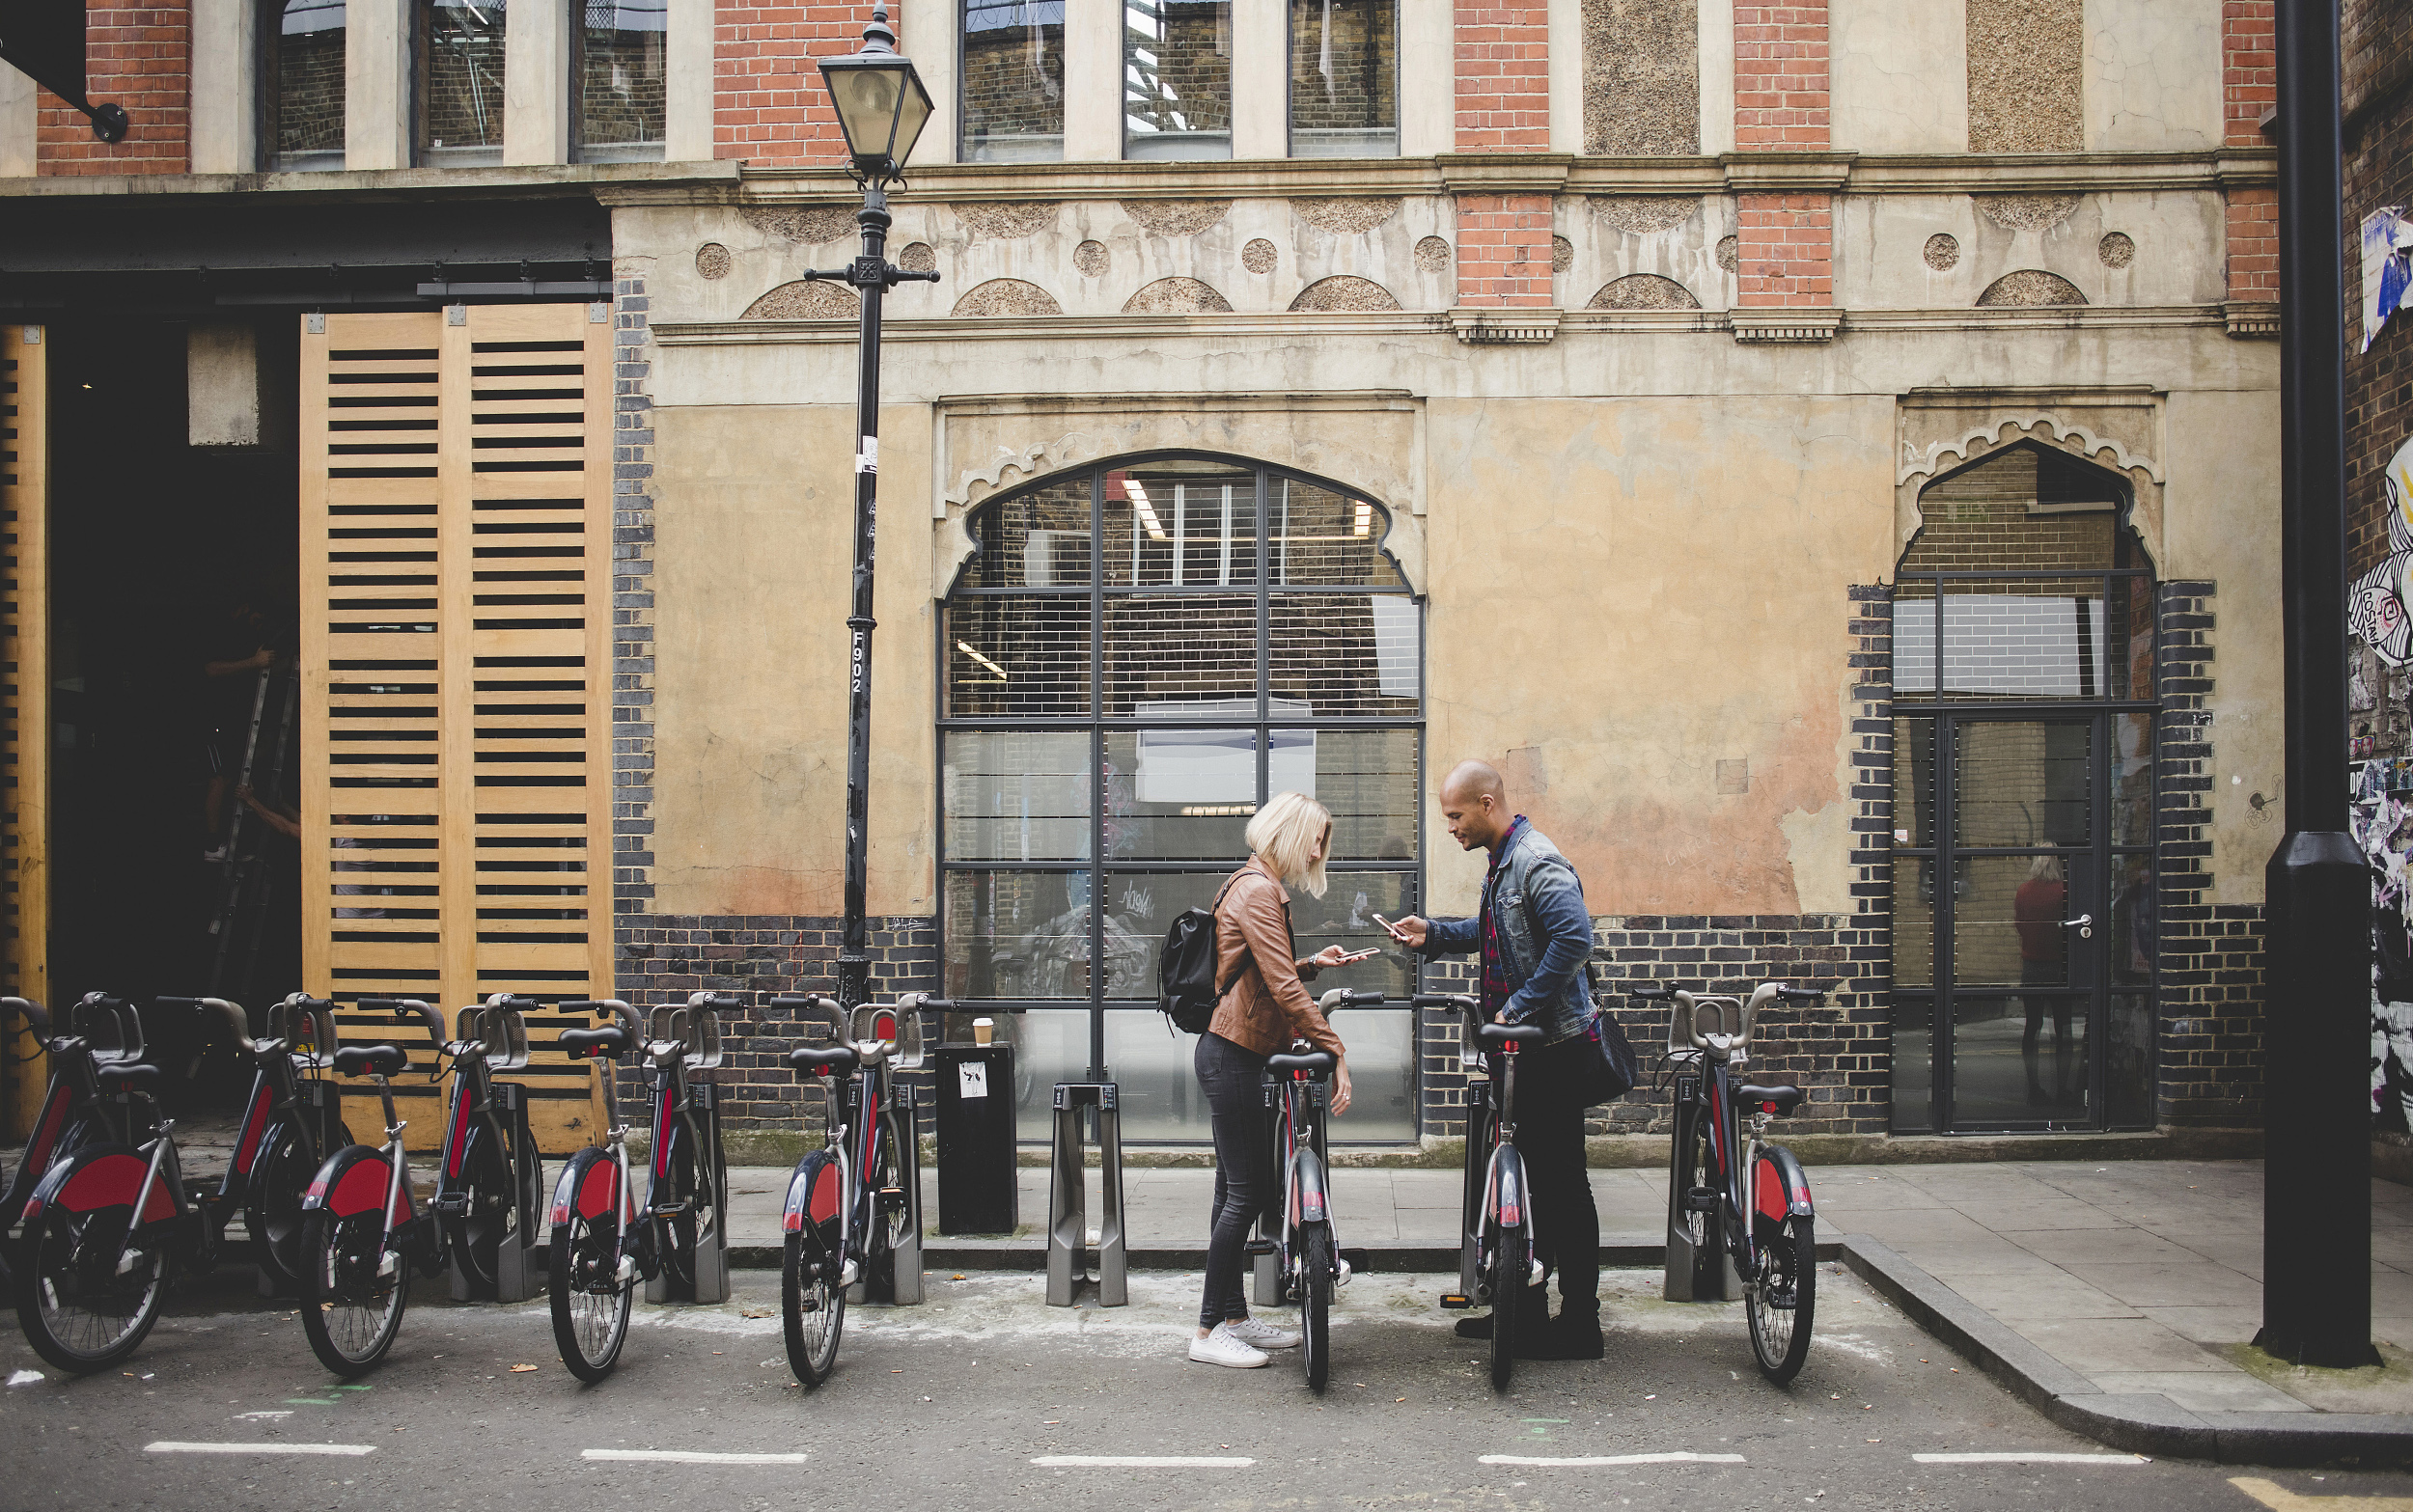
[(79, 1311), (272, 1208), (589, 1299), (353, 1290), (497, 1197), (1509, 1272), (889, 1215), (696, 1184), (813, 1305), (1315, 1305), (1698, 1167), (1780, 1299)]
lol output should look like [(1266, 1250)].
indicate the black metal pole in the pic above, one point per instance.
[(2316, 1219), (869, 277)]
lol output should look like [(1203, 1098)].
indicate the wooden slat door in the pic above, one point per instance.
[(24, 703), (456, 582)]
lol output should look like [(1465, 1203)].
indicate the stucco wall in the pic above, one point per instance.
[(1888, 93)]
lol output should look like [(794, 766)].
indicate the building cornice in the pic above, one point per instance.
[(571, 180)]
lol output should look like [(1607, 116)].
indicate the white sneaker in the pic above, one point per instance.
[(1220, 1348), (1257, 1333)]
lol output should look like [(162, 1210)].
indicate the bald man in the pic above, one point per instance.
[(1534, 934)]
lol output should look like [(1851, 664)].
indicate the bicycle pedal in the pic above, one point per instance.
[(1261, 1246), (1456, 1301), (627, 1270), (891, 1200), (1703, 1200)]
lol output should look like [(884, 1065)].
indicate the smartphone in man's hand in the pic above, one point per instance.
[(1390, 928)]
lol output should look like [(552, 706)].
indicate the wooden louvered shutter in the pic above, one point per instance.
[(24, 703), (456, 514)]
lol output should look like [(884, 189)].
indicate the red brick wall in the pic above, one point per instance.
[(2249, 62), (768, 107), (1784, 242), (1504, 250), (1503, 78), (2253, 244), (1779, 77), (139, 57)]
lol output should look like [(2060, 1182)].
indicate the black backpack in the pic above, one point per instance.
[(1185, 972)]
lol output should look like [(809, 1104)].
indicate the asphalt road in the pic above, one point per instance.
[(957, 1402)]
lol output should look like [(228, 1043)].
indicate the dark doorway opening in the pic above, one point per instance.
[(167, 557)]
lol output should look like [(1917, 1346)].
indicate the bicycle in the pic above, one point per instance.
[(109, 1221), (1304, 1248), (1755, 1211), (361, 1229), (1496, 1229), (602, 1243), (852, 1216), (290, 1123)]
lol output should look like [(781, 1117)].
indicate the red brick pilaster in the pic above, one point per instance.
[(1784, 242), (1504, 250), (1503, 76), (1787, 246), (138, 56), (2249, 46), (768, 105)]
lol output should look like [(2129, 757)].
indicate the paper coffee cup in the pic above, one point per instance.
[(984, 1030)]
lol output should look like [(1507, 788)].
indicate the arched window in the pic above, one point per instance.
[(305, 73), (2024, 832), (1133, 660)]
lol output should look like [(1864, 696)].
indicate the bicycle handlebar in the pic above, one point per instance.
[(35, 1020), (237, 1019), (629, 1018), (404, 1010), (1348, 998)]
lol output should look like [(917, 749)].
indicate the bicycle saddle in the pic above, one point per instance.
[(1510, 1033), (1786, 1098), (371, 1061), (808, 1059), (122, 1073), (1315, 1060), (609, 1040)]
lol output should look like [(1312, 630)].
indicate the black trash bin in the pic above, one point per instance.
[(977, 1190)]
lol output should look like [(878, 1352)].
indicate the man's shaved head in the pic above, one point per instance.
[(1472, 780)]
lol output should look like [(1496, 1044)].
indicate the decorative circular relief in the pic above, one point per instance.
[(1259, 256), (2117, 250), (1091, 258), (1943, 252), (712, 259), (1432, 255)]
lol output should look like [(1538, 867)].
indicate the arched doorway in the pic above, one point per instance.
[(1134, 657), (2024, 841)]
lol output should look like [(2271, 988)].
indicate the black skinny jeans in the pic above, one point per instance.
[(1550, 1136), (1233, 1079)]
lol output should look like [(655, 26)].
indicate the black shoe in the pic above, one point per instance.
[(1563, 1340), (1475, 1327), (1535, 1305)]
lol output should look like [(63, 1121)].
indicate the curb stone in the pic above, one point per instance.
[(2139, 1423)]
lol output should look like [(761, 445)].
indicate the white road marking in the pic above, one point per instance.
[(690, 1457), (2021, 1457), (1143, 1461), (174, 1447), (277, 1416), (1587, 1461)]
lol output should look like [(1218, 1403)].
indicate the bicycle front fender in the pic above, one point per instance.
[(816, 1193), (353, 1181), (589, 1187), (100, 1177), (1781, 1188)]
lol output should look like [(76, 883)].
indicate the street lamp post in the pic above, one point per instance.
[(881, 108)]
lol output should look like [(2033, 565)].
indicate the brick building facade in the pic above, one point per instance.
[(1682, 323)]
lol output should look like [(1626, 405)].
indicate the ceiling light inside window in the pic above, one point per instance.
[(967, 650), (1365, 523), (1218, 811), (1147, 510)]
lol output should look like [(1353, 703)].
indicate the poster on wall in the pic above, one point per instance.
[(2382, 809), (2387, 267)]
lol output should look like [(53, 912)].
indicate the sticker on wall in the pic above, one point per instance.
[(2387, 267), (2377, 608)]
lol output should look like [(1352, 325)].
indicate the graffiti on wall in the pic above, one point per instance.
[(2387, 267), (2382, 813)]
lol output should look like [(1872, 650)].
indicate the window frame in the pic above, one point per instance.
[(1098, 726), (574, 90), (1290, 56), (268, 97)]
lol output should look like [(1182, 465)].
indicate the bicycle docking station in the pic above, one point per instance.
[(697, 1024), (1068, 1253), (516, 1274), (900, 1284)]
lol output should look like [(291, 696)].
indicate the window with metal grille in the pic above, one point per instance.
[(1130, 663)]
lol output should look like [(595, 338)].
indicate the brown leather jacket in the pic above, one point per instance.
[(1264, 1007)]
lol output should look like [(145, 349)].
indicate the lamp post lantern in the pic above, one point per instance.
[(881, 108)]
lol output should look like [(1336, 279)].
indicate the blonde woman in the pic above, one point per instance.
[(1264, 1009)]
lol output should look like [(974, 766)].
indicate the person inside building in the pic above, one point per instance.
[(2038, 910), (1534, 935), (1264, 1009)]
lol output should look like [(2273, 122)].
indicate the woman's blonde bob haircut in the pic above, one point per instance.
[(1284, 832)]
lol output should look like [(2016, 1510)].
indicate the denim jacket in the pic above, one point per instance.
[(1546, 932)]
